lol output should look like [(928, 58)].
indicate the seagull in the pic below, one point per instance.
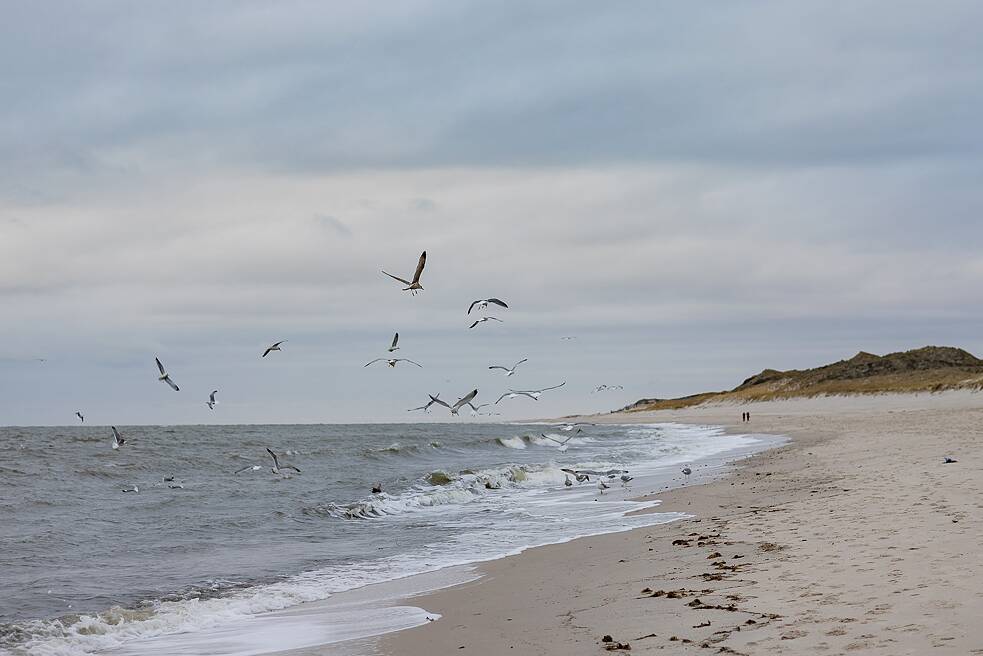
[(393, 347), (532, 394), (276, 464), (413, 286), (686, 472), (118, 440), (165, 377), (78, 413), (948, 460), (211, 400), (475, 409), (377, 488), (601, 388), (463, 401), (392, 362), (509, 372), (570, 427), (247, 468), (553, 439), (275, 347), (625, 478), (568, 338), (601, 485), (426, 408), (482, 303), (131, 489), (483, 320)]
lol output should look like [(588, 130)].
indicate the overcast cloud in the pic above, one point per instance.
[(695, 192)]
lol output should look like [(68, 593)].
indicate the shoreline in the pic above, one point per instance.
[(805, 546)]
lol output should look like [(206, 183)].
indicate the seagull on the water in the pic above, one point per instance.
[(483, 320), (211, 400), (426, 408), (131, 489), (463, 401), (377, 488), (601, 485), (393, 346), (276, 463), (165, 377), (508, 371), (392, 362), (482, 303), (413, 286), (275, 347), (118, 440), (625, 479), (78, 413)]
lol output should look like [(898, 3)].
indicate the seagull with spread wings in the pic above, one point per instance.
[(211, 400), (483, 320), (275, 347), (532, 394), (482, 303), (463, 401), (509, 372), (78, 413), (392, 362), (413, 286), (276, 468), (165, 377), (426, 408)]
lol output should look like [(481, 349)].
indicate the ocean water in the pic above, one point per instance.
[(86, 567)]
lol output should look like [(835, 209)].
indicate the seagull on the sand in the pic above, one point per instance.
[(118, 440), (948, 460), (686, 472), (508, 371), (482, 303), (276, 463), (211, 400), (165, 377), (393, 346), (414, 285), (392, 362), (483, 320), (426, 408), (463, 401), (78, 413), (275, 347)]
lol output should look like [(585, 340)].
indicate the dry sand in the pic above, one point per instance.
[(854, 538)]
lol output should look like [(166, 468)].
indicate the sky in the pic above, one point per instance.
[(693, 191)]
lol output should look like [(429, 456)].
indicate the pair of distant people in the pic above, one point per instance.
[(745, 417)]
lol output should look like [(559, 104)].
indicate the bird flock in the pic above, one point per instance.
[(414, 286)]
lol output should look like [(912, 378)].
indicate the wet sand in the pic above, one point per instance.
[(853, 538)]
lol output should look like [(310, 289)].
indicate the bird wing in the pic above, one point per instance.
[(545, 389), (116, 435), (211, 397), (419, 267), (267, 351), (474, 324), (276, 461), (171, 383), (239, 471), (395, 341), (502, 397), (466, 400), (410, 361), (497, 301), (471, 307), (434, 399), (422, 407), (553, 439), (291, 467), (520, 362), (498, 366), (160, 366), (493, 319), (405, 282), (374, 361)]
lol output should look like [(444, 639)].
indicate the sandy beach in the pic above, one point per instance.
[(853, 538)]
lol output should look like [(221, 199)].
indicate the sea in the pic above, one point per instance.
[(160, 546)]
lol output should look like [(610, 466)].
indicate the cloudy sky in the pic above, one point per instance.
[(694, 191)]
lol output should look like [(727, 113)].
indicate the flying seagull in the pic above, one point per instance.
[(509, 372), (78, 413), (211, 400), (393, 347), (275, 347), (532, 394), (413, 286), (570, 427), (426, 408), (482, 303), (463, 401), (602, 388), (165, 377), (483, 320), (247, 468), (553, 439), (475, 409), (276, 464), (118, 440), (392, 362)]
